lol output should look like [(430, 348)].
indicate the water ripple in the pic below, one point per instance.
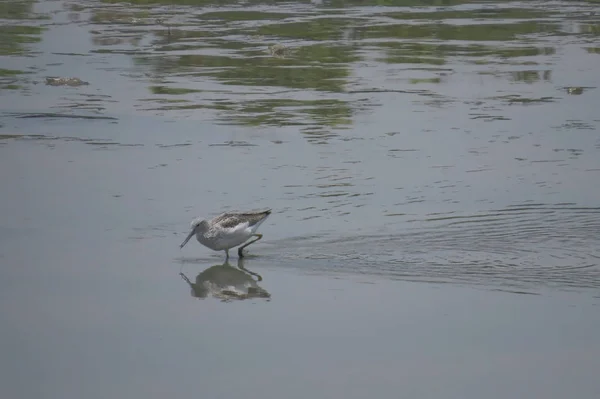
[(519, 246)]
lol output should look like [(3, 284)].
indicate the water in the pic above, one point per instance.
[(432, 169)]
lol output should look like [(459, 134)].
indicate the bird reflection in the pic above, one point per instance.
[(227, 283)]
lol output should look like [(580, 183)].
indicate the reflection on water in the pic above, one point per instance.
[(301, 64), (227, 283)]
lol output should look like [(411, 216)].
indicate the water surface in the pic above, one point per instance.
[(432, 169)]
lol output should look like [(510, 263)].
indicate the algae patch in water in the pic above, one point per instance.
[(171, 90), (425, 80), (504, 13), (316, 29), (11, 87), (243, 15), (57, 81), (11, 72), (10, 77), (13, 37)]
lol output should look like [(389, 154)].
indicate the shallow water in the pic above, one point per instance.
[(425, 165)]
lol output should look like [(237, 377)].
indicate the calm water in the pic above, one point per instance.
[(433, 169)]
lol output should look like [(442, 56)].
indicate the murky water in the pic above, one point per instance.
[(397, 142)]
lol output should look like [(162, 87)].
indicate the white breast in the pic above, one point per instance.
[(219, 239)]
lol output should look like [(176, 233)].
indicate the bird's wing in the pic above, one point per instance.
[(232, 219)]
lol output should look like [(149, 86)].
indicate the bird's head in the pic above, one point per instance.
[(198, 226)]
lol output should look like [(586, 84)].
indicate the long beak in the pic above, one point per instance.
[(188, 238)]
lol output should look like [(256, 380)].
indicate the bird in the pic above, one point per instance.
[(227, 283), (228, 230)]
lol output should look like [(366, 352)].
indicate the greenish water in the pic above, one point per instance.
[(432, 168)]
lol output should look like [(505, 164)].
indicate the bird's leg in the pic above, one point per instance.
[(240, 249), (187, 280), (241, 267), (227, 254)]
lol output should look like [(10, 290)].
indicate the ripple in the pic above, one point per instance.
[(54, 115), (525, 245)]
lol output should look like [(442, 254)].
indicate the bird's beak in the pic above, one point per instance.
[(188, 238)]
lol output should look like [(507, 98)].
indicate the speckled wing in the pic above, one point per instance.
[(228, 220)]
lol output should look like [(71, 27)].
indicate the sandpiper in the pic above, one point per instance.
[(228, 230)]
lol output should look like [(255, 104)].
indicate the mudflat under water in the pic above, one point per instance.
[(433, 171)]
